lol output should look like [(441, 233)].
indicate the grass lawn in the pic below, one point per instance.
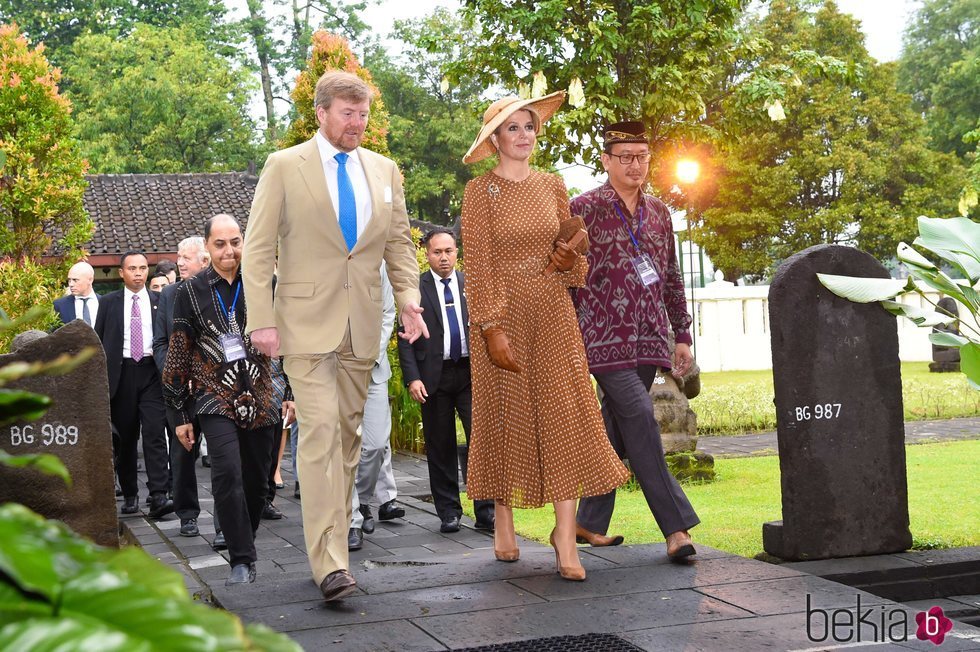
[(736, 402), (943, 506)]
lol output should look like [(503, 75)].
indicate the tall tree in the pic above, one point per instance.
[(332, 52), (848, 164), (41, 177), (432, 121), (159, 100), (940, 66)]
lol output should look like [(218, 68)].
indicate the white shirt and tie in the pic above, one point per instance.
[(92, 301), (146, 319), (457, 298), (355, 171)]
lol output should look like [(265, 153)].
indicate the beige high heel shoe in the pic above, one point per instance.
[(510, 554), (573, 573)]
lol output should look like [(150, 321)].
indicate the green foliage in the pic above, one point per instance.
[(432, 121), (939, 68), (42, 179), (58, 23), (43, 462), (849, 159), (956, 241), (26, 285), (406, 413), (332, 52), (159, 101), (58, 588)]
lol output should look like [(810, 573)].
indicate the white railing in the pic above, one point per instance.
[(731, 328)]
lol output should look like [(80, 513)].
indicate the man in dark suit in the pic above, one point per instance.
[(125, 326), (83, 302), (437, 373), (192, 257)]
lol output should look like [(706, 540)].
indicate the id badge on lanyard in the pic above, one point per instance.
[(232, 346), (645, 268)]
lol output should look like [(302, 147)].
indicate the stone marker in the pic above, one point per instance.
[(839, 414), (946, 358), (76, 429), (679, 424)]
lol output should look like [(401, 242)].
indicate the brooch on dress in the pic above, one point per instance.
[(493, 190)]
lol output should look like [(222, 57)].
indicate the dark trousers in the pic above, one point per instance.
[(182, 461), (454, 395), (137, 409), (239, 470), (635, 435)]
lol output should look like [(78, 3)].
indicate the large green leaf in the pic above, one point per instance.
[(968, 267), (920, 316), (263, 638), (20, 405), (865, 290), (911, 257), (148, 573), (65, 633), (59, 366), (947, 339), (43, 462), (959, 235), (970, 362)]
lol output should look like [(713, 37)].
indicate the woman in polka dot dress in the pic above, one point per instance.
[(537, 436)]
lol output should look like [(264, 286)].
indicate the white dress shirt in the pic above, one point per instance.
[(93, 307), (358, 180), (146, 317), (458, 298)]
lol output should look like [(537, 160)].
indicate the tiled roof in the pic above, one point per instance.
[(154, 212)]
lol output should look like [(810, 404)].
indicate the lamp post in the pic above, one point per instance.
[(688, 171)]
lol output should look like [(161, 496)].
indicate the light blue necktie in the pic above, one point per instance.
[(348, 206)]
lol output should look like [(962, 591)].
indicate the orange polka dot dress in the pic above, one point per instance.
[(537, 436)]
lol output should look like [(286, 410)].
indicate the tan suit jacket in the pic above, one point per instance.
[(320, 285)]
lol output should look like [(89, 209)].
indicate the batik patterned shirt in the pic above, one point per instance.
[(624, 323)]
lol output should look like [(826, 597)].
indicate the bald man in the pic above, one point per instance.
[(82, 302)]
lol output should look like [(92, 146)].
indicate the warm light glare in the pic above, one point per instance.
[(688, 170)]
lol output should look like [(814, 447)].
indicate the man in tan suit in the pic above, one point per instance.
[(332, 211)]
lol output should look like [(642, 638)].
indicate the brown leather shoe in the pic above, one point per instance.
[(595, 539), (337, 585), (679, 545)]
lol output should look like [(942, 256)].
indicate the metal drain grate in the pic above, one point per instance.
[(580, 643)]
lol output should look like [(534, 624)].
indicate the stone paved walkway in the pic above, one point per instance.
[(422, 590), (916, 432)]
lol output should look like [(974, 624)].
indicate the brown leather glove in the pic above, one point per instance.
[(498, 346), (563, 257)]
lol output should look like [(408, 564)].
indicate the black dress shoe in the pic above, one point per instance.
[(368, 524), (355, 539), (129, 505), (270, 512), (449, 525), (188, 528), (389, 511), (296, 491), (160, 506), (219, 542), (118, 492), (206, 461), (241, 574), (485, 525)]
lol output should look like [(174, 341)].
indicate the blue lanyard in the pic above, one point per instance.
[(234, 302), (639, 223)]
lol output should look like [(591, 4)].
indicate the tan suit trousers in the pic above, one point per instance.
[(330, 390)]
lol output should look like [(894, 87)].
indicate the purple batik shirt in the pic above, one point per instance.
[(624, 323)]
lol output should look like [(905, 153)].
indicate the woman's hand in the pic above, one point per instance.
[(563, 257), (498, 346), (185, 435), (288, 413)]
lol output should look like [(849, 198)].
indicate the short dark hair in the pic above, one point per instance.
[(165, 266), (159, 274), (436, 231), (122, 259), (211, 220)]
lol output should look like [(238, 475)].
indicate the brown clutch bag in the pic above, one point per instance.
[(572, 232)]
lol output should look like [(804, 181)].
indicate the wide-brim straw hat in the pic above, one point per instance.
[(503, 108)]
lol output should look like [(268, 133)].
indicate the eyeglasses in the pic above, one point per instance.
[(626, 159)]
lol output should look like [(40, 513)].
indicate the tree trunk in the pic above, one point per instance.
[(257, 26)]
